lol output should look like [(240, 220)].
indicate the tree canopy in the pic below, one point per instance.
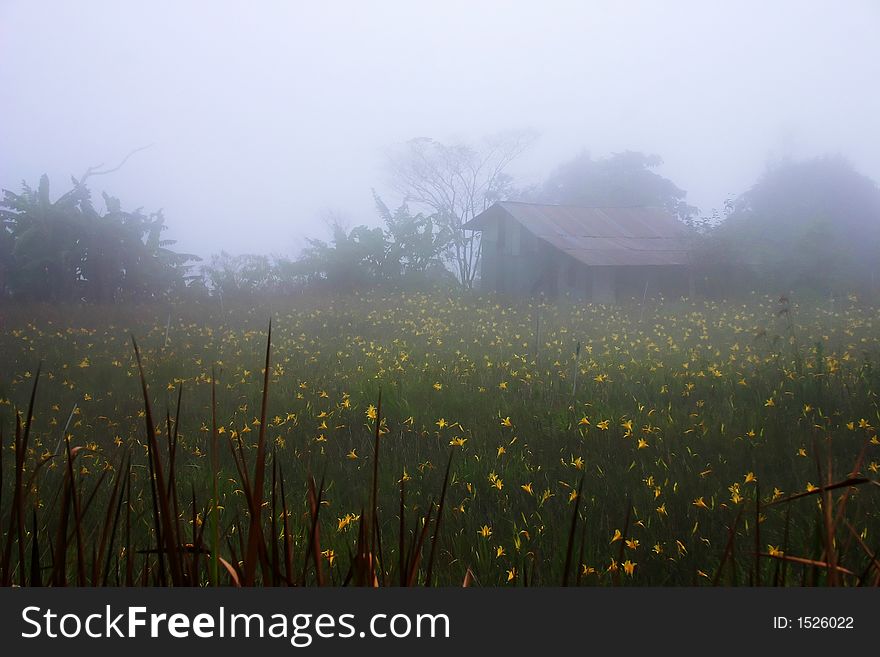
[(619, 180), (66, 249), (455, 182), (807, 224)]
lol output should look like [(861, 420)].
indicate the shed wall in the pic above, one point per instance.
[(515, 262)]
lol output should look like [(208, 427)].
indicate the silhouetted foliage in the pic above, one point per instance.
[(407, 250), (67, 250), (249, 274)]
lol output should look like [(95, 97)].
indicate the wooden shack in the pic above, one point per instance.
[(603, 255)]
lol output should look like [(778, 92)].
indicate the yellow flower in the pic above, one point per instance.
[(629, 567), (662, 509), (700, 503), (642, 443), (346, 520), (617, 536), (84, 363), (501, 450), (527, 488), (502, 385), (735, 494), (371, 412), (495, 480), (458, 442), (506, 422), (499, 552), (603, 425), (438, 386), (485, 531), (750, 478), (774, 551), (352, 454), (584, 422), (441, 423), (632, 543), (770, 402), (511, 574)]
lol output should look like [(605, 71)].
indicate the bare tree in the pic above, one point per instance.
[(457, 182)]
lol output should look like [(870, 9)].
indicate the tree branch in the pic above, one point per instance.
[(95, 170)]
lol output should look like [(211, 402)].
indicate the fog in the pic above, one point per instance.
[(263, 117)]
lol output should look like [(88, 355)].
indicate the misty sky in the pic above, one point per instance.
[(265, 116)]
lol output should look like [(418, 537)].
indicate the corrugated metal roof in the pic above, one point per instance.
[(600, 236)]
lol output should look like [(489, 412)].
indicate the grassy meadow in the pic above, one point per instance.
[(416, 438)]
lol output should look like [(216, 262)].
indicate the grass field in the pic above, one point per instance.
[(726, 443)]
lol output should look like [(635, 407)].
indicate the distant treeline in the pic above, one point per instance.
[(811, 226)]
